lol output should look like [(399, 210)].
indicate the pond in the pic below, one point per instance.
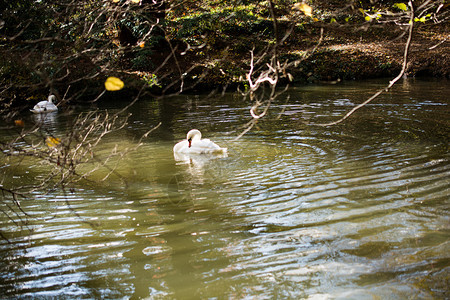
[(358, 210)]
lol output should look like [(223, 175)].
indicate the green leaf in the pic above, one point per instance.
[(401, 6)]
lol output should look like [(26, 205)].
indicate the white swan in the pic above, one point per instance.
[(193, 144), (45, 106)]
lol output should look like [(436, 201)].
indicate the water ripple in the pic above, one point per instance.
[(294, 211)]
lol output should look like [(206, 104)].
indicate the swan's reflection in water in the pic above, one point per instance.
[(196, 164), (47, 120)]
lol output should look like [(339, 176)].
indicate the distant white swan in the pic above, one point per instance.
[(45, 106), (194, 144)]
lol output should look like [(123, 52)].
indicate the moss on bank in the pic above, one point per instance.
[(208, 48), (345, 53)]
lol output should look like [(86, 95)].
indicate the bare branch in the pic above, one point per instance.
[(392, 82)]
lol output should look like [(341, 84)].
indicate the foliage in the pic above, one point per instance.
[(71, 43), (151, 80), (221, 24), (54, 45)]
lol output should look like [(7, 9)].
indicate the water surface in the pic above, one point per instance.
[(354, 211)]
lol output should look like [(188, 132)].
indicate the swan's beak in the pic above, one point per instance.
[(190, 142)]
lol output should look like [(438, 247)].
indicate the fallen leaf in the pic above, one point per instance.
[(52, 141), (305, 8), (19, 123)]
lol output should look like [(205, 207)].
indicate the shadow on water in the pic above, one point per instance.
[(358, 210)]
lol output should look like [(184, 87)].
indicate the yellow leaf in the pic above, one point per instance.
[(401, 6), (115, 1), (52, 141), (135, 1), (19, 123), (142, 45), (305, 8), (113, 84), (367, 18)]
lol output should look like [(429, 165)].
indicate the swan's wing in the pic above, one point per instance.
[(37, 109), (42, 103), (39, 106), (44, 106), (181, 147), (203, 146), (206, 146)]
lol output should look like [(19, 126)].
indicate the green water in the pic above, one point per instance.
[(354, 211)]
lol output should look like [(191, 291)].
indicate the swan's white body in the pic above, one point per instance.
[(194, 144), (45, 106)]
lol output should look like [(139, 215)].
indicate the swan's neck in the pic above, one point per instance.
[(193, 135)]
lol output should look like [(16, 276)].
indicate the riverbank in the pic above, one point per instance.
[(343, 53), (199, 59)]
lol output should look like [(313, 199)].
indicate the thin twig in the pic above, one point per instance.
[(392, 82)]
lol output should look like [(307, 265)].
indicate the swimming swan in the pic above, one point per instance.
[(193, 144), (45, 106)]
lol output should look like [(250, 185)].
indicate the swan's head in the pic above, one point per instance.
[(193, 134), (51, 98)]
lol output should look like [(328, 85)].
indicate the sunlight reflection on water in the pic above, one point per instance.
[(352, 211)]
